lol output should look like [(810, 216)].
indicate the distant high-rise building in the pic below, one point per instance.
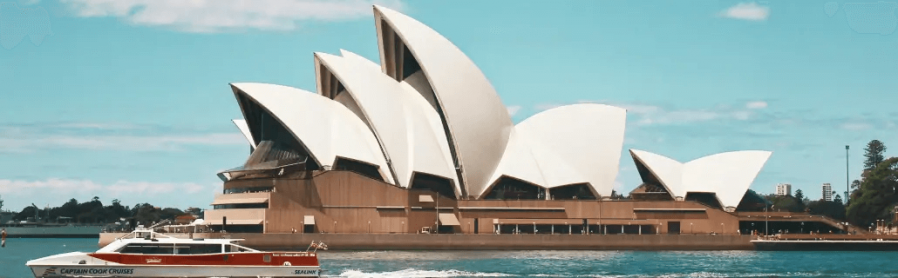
[(784, 189), (827, 192)]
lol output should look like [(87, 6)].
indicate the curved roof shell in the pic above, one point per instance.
[(398, 117), (586, 138), (327, 129), (476, 122), (728, 175), (244, 129)]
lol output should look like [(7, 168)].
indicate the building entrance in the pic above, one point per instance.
[(673, 227)]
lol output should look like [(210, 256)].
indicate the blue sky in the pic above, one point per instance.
[(129, 99)]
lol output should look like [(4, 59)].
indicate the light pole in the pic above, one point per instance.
[(847, 185)]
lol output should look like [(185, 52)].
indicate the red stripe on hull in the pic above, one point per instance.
[(229, 259)]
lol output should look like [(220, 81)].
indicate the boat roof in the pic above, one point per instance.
[(149, 235)]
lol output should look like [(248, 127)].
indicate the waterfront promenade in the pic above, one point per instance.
[(480, 241)]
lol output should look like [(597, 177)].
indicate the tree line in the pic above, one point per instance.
[(873, 196), (94, 212)]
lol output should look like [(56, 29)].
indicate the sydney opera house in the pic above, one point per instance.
[(422, 143)]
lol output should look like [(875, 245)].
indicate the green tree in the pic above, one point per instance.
[(874, 154), (832, 209), (876, 196), (837, 199), (800, 202), (785, 203), (1, 202)]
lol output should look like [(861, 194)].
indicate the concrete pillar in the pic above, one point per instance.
[(605, 231), (640, 229)]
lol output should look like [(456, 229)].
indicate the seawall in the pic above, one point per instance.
[(482, 242)]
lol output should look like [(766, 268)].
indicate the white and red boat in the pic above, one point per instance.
[(145, 253)]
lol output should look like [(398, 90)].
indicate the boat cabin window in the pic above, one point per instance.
[(235, 248), (197, 248), (147, 248)]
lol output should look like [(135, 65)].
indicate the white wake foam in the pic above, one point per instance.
[(416, 273)]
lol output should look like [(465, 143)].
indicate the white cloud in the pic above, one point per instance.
[(856, 126), (513, 110), (118, 188), (648, 114), (639, 108), (33, 142), (756, 105), (656, 115), (747, 11), (227, 15), (742, 115), (106, 136), (48, 185), (546, 106)]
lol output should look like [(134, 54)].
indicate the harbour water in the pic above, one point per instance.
[(539, 263)]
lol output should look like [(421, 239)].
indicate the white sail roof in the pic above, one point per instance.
[(477, 121), (728, 175), (566, 145), (587, 137), (328, 129), (244, 129), (401, 119)]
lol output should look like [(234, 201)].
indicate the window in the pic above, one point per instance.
[(241, 206), (145, 248), (249, 189), (234, 248), (198, 248)]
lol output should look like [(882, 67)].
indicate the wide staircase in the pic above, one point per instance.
[(800, 217)]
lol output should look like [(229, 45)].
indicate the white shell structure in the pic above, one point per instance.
[(476, 121), (327, 129), (397, 116), (428, 111), (244, 129), (566, 145), (728, 175)]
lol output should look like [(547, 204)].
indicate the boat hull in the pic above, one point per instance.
[(159, 271)]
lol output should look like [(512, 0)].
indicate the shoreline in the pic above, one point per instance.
[(479, 241)]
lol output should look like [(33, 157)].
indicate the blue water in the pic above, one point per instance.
[(539, 263)]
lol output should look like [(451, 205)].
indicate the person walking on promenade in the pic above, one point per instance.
[(2, 237)]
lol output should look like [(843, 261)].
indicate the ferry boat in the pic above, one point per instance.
[(145, 253)]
